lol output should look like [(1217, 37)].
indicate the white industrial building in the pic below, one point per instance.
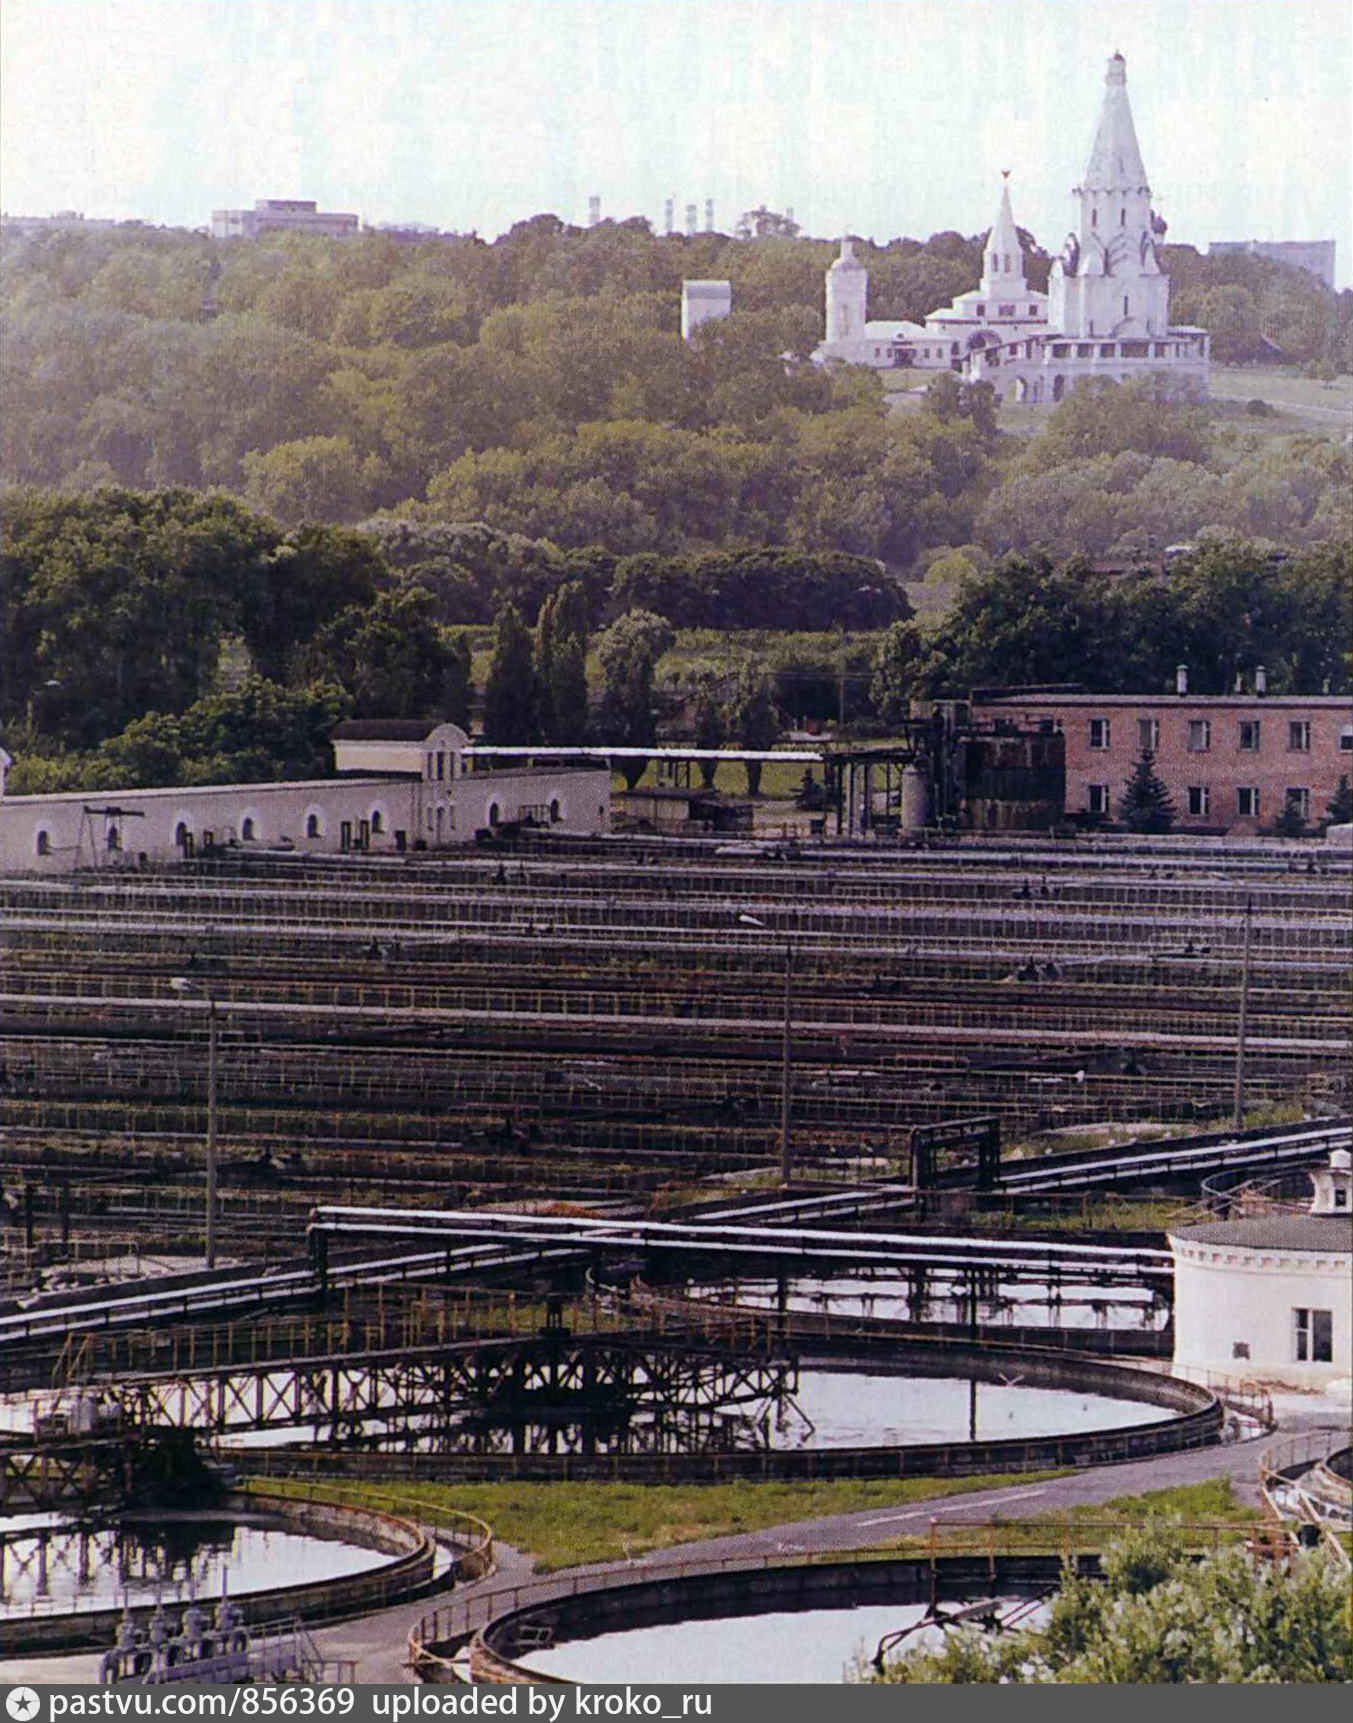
[(703, 302), (403, 784), (1271, 1296)]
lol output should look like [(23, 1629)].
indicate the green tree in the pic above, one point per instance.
[(311, 479), (393, 658), (894, 672), (1146, 804), (1291, 822), (753, 719), (710, 716), (628, 653), (561, 664), (302, 584), (1157, 1617), (1339, 809), (510, 697)]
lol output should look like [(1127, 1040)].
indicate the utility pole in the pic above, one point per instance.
[(211, 1131), (786, 1071), (1238, 1116), (786, 1053)]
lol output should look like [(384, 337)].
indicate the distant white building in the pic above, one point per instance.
[(703, 302), (1271, 1297), (1108, 297), (402, 785), (1001, 306), (1106, 312), (282, 215)]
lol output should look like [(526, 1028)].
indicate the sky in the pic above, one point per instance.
[(876, 117)]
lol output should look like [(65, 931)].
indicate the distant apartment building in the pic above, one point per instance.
[(282, 215), (1230, 762), (61, 220), (1315, 256)]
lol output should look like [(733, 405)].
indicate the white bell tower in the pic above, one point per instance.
[(847, 296)]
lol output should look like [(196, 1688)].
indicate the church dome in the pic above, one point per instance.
[(847, 259)]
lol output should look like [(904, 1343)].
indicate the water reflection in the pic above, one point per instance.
[(50, 1566)]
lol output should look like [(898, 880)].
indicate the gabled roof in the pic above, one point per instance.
[(385, 729)]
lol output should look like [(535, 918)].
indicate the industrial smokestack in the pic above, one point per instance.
[(1261, 680), (690, 221), (593, 211), (709, 215), (1181, 679), (669, 216)]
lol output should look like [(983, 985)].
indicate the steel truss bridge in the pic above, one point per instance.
[(548, 1377)]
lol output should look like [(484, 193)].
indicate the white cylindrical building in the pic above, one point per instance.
[(1269, 1296), (847, 295)]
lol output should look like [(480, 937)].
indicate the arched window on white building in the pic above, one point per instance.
[(42, 843)]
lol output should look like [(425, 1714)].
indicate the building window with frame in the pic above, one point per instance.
[(1098, 798), (1247, 802), (1313, 1335), (43, 843), (1299, 797), (1249, 735), (1346, 739), (1200, 736), (1198, 800), (1298, 736), (1101, 731), (1148, 735)]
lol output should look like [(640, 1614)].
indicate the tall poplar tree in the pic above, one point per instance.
[(510, 704)]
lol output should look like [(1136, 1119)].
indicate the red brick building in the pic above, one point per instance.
[(1230, 762)]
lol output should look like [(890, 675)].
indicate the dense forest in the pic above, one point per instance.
[(539, 385)]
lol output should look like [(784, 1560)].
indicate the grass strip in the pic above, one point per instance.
[(570, 1525)]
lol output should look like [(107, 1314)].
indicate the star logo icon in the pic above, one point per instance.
[(23, 1704)]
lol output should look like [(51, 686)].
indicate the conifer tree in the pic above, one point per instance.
[(561, 664), (1146, 804), (753, 719), (510, 715)]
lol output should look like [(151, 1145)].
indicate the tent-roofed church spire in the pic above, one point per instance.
[(1115, 157), (1003, 260)]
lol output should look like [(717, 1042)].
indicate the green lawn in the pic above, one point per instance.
[(569, 1525)]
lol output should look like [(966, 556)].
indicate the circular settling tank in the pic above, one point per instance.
[(53, 1565)]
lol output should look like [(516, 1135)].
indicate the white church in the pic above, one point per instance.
[(1106, 313)]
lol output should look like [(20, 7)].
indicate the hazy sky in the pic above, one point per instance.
[(881, 117)]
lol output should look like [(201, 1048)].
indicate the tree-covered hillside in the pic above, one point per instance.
[(539, 383)]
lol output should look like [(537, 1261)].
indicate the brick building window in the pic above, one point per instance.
[(1247, 802), (1097, 798), (1148, 734), (1346, 739), (1100, 733), (1200, 736), (1249, 735), (1313, 1336), (1300, 799), (1198, 800), (1299, 736)]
